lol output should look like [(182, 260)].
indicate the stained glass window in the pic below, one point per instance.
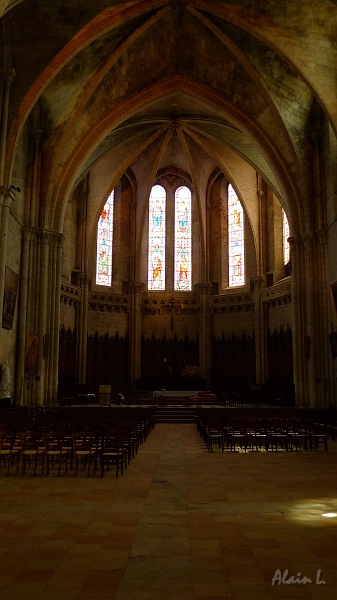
[(157, 231), (104, 243), (286, 234), (236, 241), (183, 240)]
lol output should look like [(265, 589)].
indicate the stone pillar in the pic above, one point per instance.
[(260, 331), (311, 321), (322, 388), (6, 198), (299, 337), (205, 333), (83, 329), (135, 335), (20, 390), (329, 387), (8, 76), (6, 192), (33, 214), (52, 333), (44, 291), (56, 323)]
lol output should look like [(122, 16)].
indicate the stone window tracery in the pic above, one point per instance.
[(170, 230), (286, 235), (157, 238), (236, 240), (182, 240), (104, 243)]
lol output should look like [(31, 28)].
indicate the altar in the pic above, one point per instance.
[(190, 397), (176, 393)]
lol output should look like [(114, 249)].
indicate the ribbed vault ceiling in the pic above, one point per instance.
[(249, 77)]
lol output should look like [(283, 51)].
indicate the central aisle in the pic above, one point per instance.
[(159, 566)]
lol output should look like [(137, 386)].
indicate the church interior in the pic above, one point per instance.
[(168, 198), (168, 223)]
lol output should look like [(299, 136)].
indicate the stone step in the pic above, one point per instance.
[(175, 414)]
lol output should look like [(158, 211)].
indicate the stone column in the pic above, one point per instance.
[(8, 76), (6, 199), (6, 192), (56, 324), (53, 321), (329, 387), (205, 333), (33, 212), (83, 329), (44, 290), (311, 321), (321, 379), (20, 396), (299, 337), (135, 335), (260, 331)]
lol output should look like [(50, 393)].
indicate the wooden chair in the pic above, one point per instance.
[(55, 450), (297, 435), (237, 435), (32, 449), (278, 435), (84, 450), (113, 452), (215, 433), (9, 453), (317, 434)]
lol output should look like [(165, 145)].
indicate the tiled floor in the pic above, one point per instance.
[(181, 524)]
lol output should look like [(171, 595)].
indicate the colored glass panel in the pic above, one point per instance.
[(104, 243), (183, 240), (236, 242), (157, 232), (286, 234)]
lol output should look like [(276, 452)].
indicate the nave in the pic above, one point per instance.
[(181, 524)]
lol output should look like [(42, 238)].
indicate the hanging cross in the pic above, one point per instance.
[(171, 307)]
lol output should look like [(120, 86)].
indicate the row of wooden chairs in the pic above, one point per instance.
[(55, 448), (232, 432), (103, 445)]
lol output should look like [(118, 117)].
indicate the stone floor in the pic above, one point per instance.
[(180, 524)]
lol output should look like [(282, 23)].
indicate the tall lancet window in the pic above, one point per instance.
[(157, 232), (183, 240), (104, 243), (286, 234), (236, 240)]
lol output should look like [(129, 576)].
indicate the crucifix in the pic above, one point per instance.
[(171, 307)]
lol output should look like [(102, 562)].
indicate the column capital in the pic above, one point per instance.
[(28, 232), (259, 281), (45, 236), (295, 241), (310, 240), (137, 286), (204, 289), (8, 194), (204, 286), (84, 279), (59, 237), (8, 74)]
